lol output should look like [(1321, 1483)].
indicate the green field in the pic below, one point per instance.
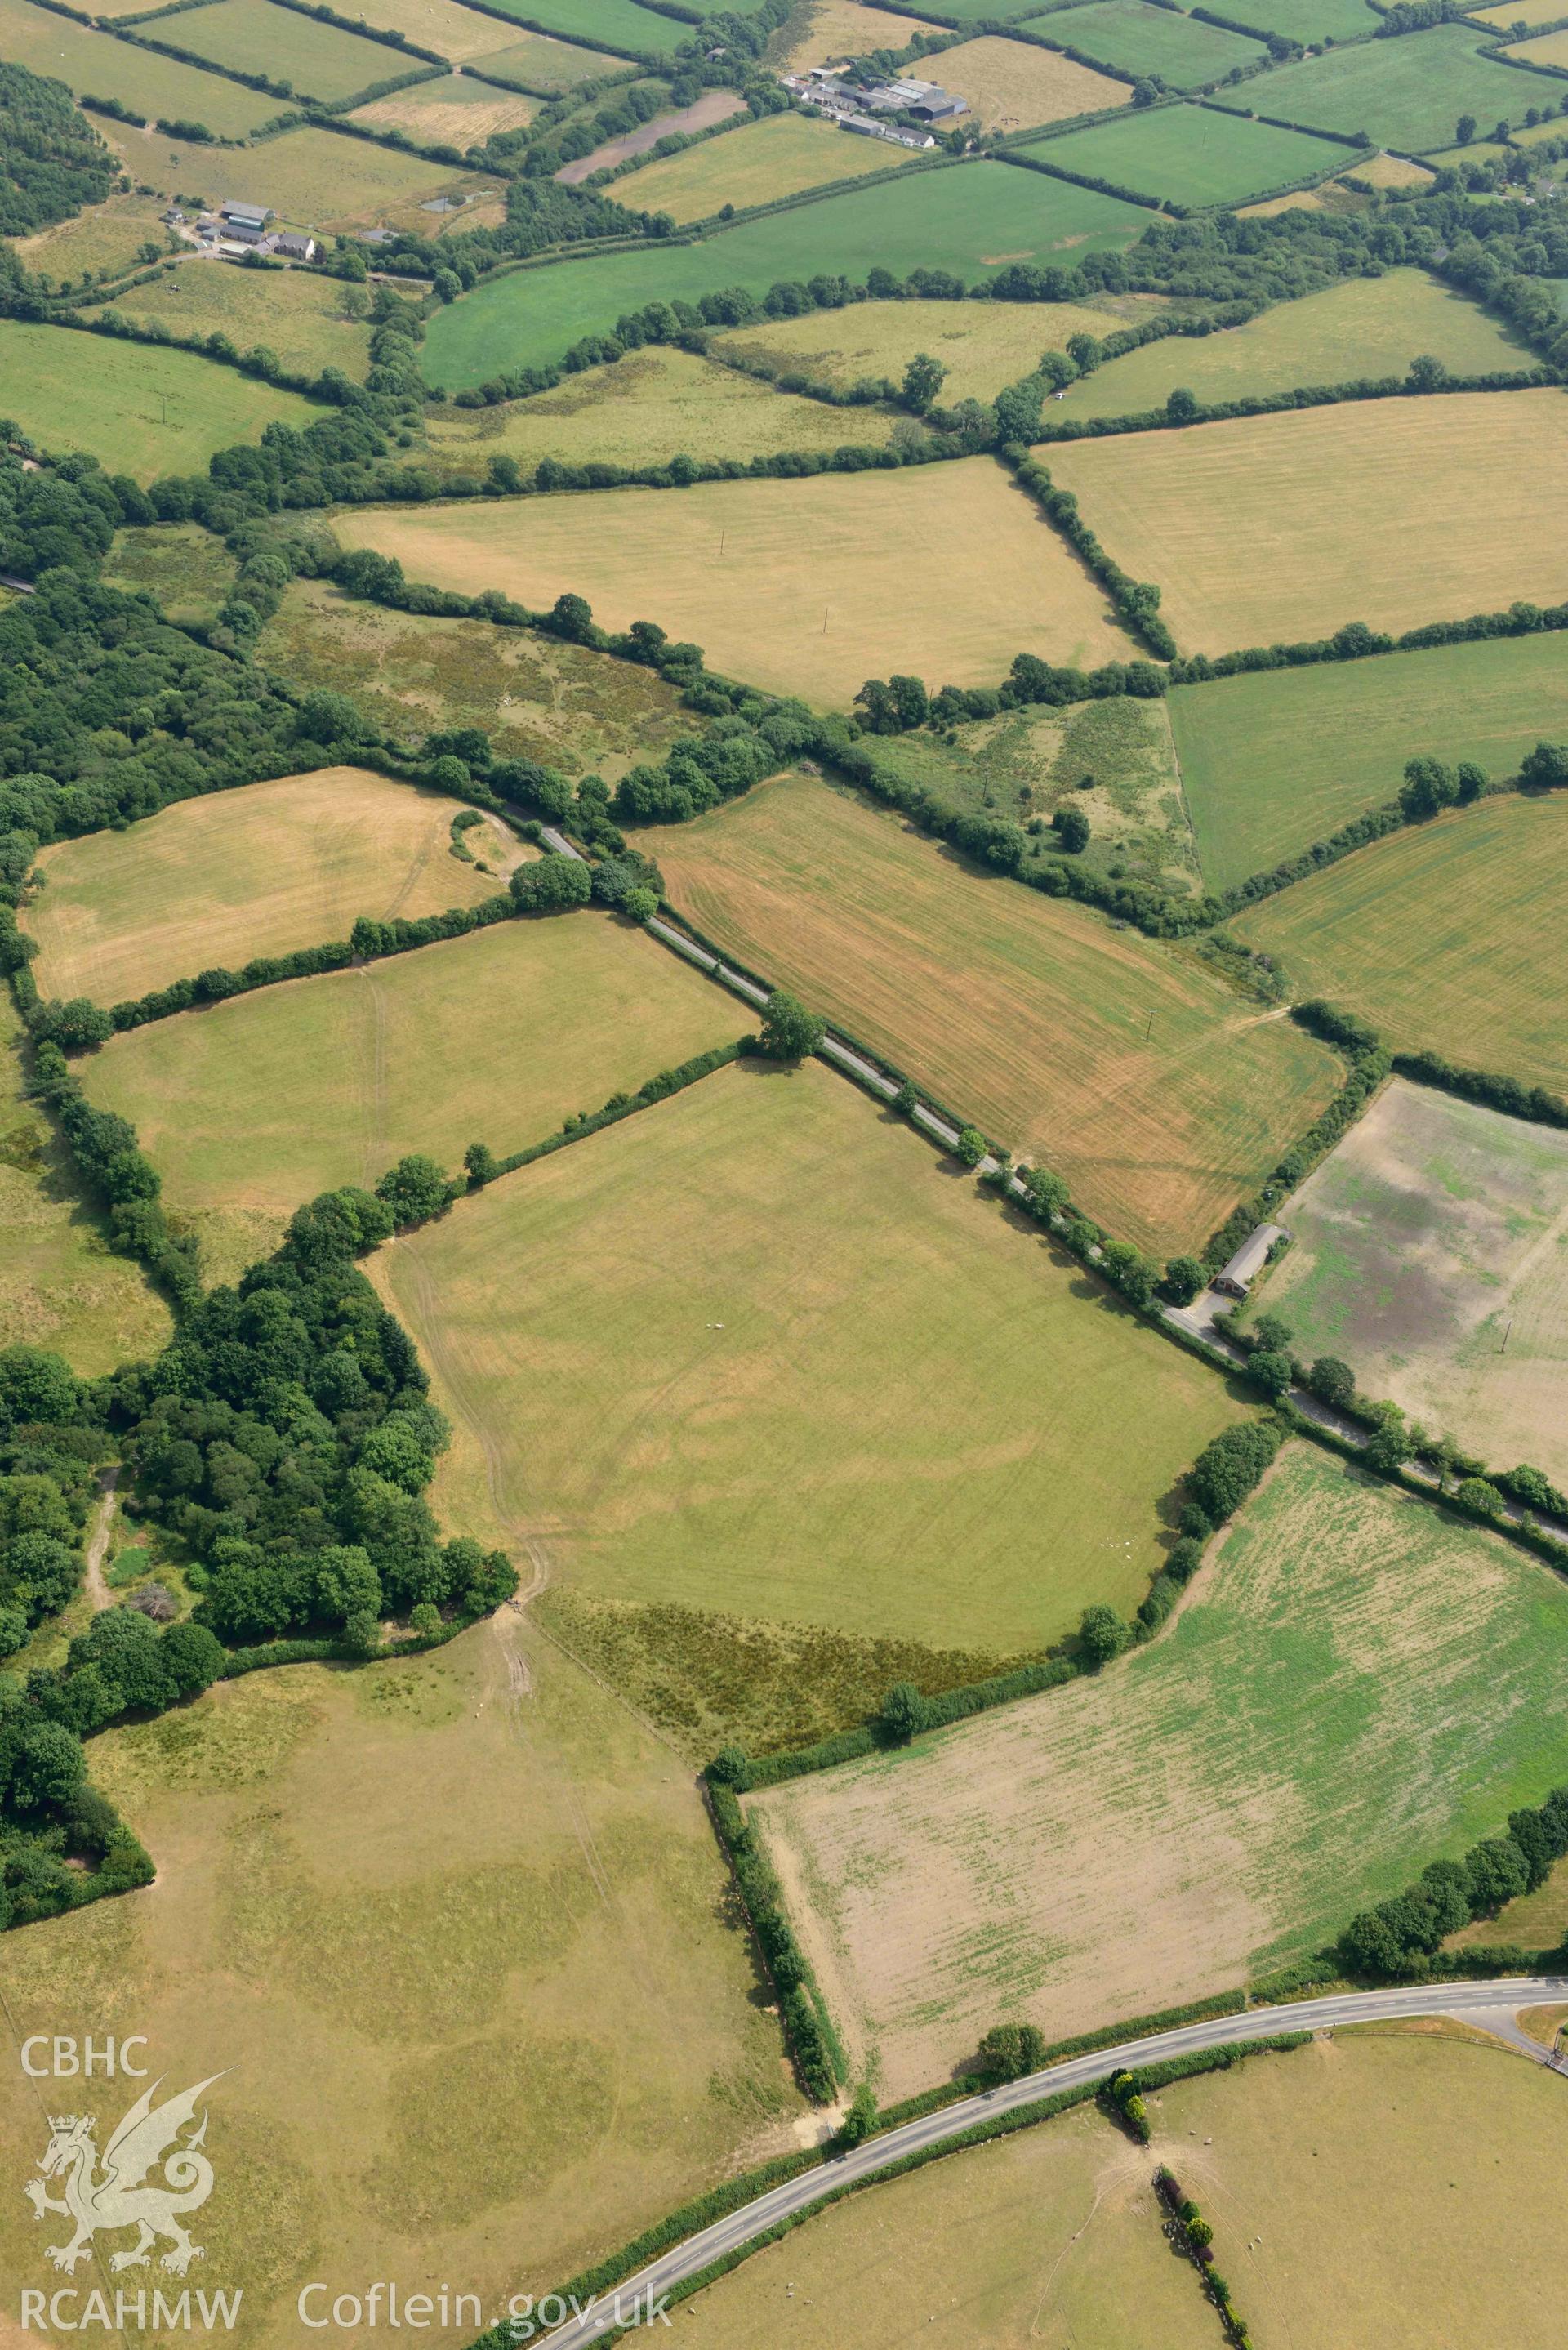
[(318, 60), (1308, 20), (1430, 1252), (302, 318), (255, 1106), (108, 238), (1161, 1098), (1138, 39), (1274, 761), (536, 697), (95, 65), (758, 163), (60, 1284), (1190, 154), (1361, 326), (388, 1904), (1407, 93), (1438, 936), (183, 568), (620, 25), (790, 1391), (967, 219), (1357, 1685), (137, 408), (538, 62)]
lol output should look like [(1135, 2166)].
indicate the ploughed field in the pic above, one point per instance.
[(1356, 1686), (1161, 1098)]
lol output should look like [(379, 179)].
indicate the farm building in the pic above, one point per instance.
[(293, 247), (1236, 1279), (246, 224)]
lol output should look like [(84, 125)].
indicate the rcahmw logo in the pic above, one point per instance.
[(152, 2175)]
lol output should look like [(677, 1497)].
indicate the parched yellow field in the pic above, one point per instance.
[(313, 179), (806, 587), (758, 163), (1354, 1685), (844, 28), (456, 111), (109, 235), (1441, 507), (982, 344), (1381, 170), (61, 1285), (652, 405), (456, 1935), (295, 313), (1012, 86), (1443, 936), (1519, 12), (1550, 49), (757, 1352), (259, 870), (451, 30), (254, 1106), (1159, 1096)]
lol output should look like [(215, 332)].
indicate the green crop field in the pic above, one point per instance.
[(257, 1105), (969, 219), (137, 408), (1407, 93), (536, 697), (187, 571), (1361, 326), (622, 26), (302, 318), (1274, 761), (981, 345), (1137, 39), (1441, 507), (1161, 1098), (1430, 1252), (756, 164), (1356, 1685), (1190, 154), (1307, 20), (791, 1397), (1437, 935), (95, 65), (391, 1902), (259, 38), (647, 408), (259, 871), (798, 586)]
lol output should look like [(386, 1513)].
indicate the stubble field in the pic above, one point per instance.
[(458, 111), (1355, 1687), (803, 588), (1441, 507), (1013, 86), (254, 1106), (261, 871), (455, 1933), (1437, 935), (1159, 1096), (1431, 1254), (790, 1392)]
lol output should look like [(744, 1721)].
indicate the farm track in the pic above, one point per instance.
[(93, 1578), (1471, 2002)]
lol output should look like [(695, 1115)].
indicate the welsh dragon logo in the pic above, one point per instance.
[(117, 2198)]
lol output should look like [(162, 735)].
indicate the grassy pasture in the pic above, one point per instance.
[(1363, 326), (757, 164), (1274, 761), (388, 1901), (803, 586), (60, 1284), (1052, 2237), (109, 236), (257, 1105), (1190, 154), (628, 28), (456, 111), (97, 65), (259, 870), (255, 37), (1438, 935), (313, 179), (793, 1396), (1012, 86), (540, 62), (650, 406), (139, 409), (1408, 93), (845, 29), (1136, 39), (1356, 1685), (187, 569), (1306, 20), (292, 312), (1436, 1230), (967, 218), (982, 344), (1157, 1095), (536, 697), (1440, 508)]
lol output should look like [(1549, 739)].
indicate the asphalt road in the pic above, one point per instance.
[(686, 2260)]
